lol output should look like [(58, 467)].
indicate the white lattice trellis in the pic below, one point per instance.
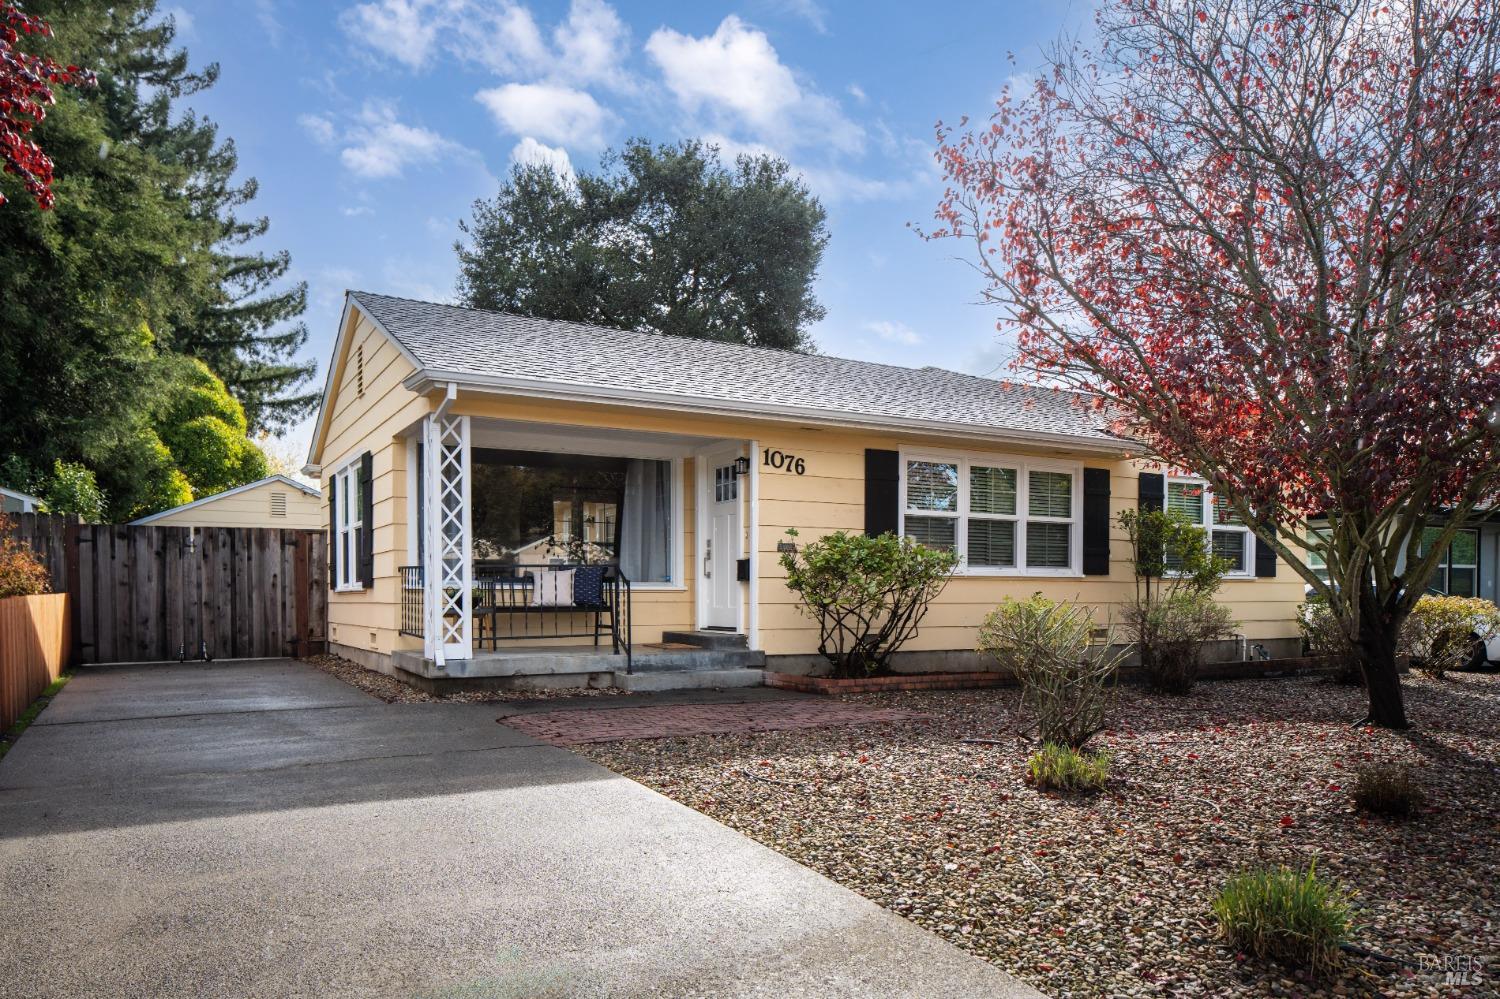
[(449, 572)]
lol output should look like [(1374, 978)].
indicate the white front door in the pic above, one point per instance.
[(721, 545)]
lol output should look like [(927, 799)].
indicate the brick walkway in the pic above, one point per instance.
[(572, 728)]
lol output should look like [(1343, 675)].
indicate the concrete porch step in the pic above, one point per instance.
[(701, 679), (649, 660), (707, 639)]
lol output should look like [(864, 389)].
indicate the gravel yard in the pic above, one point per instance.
[(1109, 895)]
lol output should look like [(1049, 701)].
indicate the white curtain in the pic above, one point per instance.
[(646, 522)]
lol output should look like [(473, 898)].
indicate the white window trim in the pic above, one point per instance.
[(1023, 467), (1247, 536), (346, 560)]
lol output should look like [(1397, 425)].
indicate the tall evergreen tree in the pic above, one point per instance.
[(144, 257)]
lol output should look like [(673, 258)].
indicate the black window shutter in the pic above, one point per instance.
[(882, 492), (1153, 491), (1265, 556), (366, 520), (333, 530), (1096, 522)]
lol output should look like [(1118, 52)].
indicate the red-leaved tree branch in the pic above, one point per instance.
[(26, 82), (1267, 234)]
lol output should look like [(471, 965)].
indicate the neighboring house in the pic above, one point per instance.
[(1468, 568), (444, 428), (275, 501), (12, 501)]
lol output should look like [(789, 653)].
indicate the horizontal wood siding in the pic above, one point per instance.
[(251, 508)]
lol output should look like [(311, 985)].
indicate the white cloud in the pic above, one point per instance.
[(894, 332), (502, 36), (591, 43), (552, 113), (857, 92), (529, 152), (319, 127), (401, 29), (808, 10), (379, 145), (354, 211), (735, 74)]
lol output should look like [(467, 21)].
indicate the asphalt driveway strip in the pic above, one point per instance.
[(261, 829)]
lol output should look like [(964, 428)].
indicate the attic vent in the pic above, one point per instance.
[(278, 504), (359, 369)]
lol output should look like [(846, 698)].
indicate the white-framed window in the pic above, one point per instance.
[(1229, 536), (1003, 516), (347, 515)]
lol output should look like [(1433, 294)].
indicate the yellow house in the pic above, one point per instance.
[(275, 501), (462, 452)]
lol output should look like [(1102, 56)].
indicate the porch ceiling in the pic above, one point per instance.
[(524, 436)]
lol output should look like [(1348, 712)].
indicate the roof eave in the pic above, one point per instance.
[(428, 379)]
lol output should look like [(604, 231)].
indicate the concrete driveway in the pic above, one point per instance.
[(261, 829)]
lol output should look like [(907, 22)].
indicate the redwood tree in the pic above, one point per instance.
[(1265, 233), (26, 82)]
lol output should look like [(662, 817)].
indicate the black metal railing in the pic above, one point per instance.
[(507, 605), (413, 620)]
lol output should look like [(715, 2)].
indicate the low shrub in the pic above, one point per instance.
[(1323, 637), (1280, 914), (1388, 792), (1047, 646), (1440, 632), (21, 572), (1056, 767), (868, 595), (1172, 612)]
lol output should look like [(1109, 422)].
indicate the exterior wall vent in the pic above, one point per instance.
[(278, 504)]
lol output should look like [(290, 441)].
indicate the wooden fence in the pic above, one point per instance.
[(143, 593), (34, 648)]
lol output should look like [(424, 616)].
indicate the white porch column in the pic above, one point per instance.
[(448, 569)]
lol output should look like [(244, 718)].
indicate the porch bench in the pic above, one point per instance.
[(507, 591)]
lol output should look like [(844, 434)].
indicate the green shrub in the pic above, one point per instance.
[(1065, 681), (1324, 637), (1440, 632), (1056, 767), (1388, 792), (867, 594), (1173, 611), (1294, 917)]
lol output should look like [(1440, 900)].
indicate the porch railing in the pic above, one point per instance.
[(505, 606)]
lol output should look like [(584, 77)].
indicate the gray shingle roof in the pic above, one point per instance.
[(458, 340)]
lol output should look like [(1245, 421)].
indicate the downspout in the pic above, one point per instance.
[(432, 580)]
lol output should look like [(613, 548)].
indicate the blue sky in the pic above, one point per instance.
[(373, 126)]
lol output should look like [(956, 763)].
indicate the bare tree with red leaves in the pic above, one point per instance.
[(26, 83), (1267, 234)]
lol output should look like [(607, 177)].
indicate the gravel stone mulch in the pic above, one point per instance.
[(393, 691), (1109, 895)]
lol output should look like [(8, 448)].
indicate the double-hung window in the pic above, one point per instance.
[(347, 513), (1457, 575), (1229, 537), (1001, 516)]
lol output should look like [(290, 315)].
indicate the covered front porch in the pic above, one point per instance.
[(577, 553)]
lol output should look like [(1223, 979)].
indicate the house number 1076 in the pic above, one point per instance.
[(772, 458)]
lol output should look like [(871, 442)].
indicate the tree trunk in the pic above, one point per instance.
[(1377, 660)]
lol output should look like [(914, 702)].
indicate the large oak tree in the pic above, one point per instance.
[(1265, 232), (665, 239)]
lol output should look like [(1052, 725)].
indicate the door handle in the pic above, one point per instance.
[(708, 558)]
